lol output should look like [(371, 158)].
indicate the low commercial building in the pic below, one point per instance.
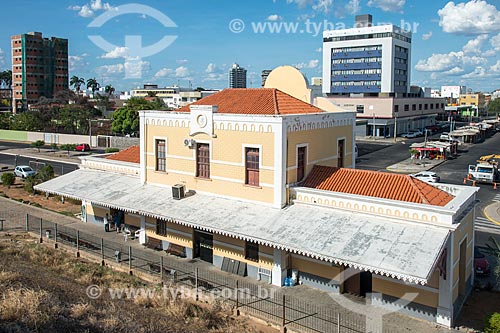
[(388, 115), (262, 184)]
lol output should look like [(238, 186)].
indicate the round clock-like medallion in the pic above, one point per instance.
[(201, 120)]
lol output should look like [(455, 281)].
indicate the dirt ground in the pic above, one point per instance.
[(45, 290), (53, 203), (478, 306)]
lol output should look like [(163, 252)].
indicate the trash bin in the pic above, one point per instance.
[(118, 256), (47, 233)]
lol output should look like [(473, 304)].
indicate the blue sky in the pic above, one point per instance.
[(453, 42)]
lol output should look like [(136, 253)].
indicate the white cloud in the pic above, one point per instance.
[(88, 10), (164, 72), (352, 7), (473, 17), (454, 71), (324, 6), (215, 77), (182, 72), (132, 68), (474, 45), (182, 61), (495, 42), (308, 65), (77, 62), (211, 68), (2, 58), (319, 49), (118, 52), (109, 70), (484, 72), (85, 11), (442, 62), (427, 36), (274, 17), (388, 5)]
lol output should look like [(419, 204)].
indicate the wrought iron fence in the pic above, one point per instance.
[(270, 304)]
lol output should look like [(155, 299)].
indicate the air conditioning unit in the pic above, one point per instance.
[(178, 191), (189, 143)]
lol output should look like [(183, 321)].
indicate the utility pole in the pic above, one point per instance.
[(373, 125), (395, 126)]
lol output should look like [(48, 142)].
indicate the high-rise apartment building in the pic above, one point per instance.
[(264, 74), (237, 77), (39, 68), (366, 59)]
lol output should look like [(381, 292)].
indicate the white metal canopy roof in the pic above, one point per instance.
[(402, 250)]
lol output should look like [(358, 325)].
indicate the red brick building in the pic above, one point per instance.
[(39, 68)]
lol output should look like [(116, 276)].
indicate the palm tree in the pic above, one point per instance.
[(93, 85), (109, 89), (76, 82)]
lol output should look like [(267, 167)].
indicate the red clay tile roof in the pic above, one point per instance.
[(266, 101), (376, 184), (131, 154)]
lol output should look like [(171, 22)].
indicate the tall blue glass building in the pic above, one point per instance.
[(368, 60)]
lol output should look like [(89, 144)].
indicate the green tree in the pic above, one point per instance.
[(76, 82), (93, 85), (126, 119), (53, 146), (5, 120), (109, 89), (27, 121), (6, 78), (492, 323), (494, 106), (38, 144), (46, 173), (30, 183), (8, 179), (68, 147)]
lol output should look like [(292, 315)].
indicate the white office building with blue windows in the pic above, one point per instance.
[(369, 60)]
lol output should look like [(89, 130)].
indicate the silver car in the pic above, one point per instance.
[(24, 171)]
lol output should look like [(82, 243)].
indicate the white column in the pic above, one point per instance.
[(279, 267), (445, 302)]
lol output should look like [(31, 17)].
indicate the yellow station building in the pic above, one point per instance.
[(262, 184)]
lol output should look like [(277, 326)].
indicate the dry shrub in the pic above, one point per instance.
[(29, 307), (80, 310), (8, 278)]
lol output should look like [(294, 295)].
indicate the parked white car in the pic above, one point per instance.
[(410, 135), (427, 176), (24, 171)]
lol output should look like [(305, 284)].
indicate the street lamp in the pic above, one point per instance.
[(373, 125), (395, 126)]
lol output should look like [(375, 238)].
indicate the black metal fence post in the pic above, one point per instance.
[(55, 235), (196, 282), (27, 221), (1, 224), (161, 269), (41, 231), (130, 260), (78, 243), (283, 323), (102, 251), (237, 298)]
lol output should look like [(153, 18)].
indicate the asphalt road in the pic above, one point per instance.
[(59, 167)]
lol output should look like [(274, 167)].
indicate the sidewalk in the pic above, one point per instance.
[(414, 165), (379, 140), (47, 154), (492, 212)]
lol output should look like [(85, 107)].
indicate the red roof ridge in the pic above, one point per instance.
[(257, 101), (275, 100), (130, 154), (377, 184)]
